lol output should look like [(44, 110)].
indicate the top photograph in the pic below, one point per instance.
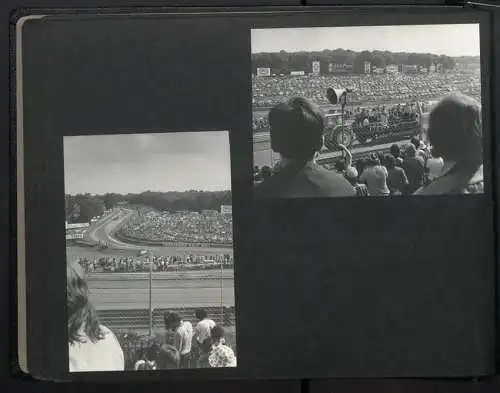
[(372, 111)]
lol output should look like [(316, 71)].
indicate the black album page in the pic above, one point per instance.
[(235, 194)]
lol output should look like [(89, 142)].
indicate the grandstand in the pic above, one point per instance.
[(367, 89)]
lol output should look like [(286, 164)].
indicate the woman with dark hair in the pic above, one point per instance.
[(455, 133), (92, 347), (395, 150), (296, 129), (221, 355)]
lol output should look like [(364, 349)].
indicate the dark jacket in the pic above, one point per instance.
[(304, 181)]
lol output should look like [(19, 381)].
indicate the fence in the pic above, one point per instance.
[(138, 319)]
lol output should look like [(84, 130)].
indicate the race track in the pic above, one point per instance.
[(133, 293), (103, 231), (263, 155), (131, 290)]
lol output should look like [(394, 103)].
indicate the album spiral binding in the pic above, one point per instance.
[(294, 192)]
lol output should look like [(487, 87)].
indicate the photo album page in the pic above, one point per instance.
[(244, 195)]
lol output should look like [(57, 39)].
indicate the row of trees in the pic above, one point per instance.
[(284, 62), (83, 207)]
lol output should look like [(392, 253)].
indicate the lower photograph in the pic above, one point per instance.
[(149, 243)]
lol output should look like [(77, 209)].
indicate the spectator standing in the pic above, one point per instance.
[(203, 327), (351, 174), (221, 355), (414, 168), (375, 177), (183, 337), (205, 351), (396, 176)]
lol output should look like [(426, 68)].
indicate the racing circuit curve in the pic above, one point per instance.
[(169, 289)]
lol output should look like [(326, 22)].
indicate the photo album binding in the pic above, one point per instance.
[(244, 194)]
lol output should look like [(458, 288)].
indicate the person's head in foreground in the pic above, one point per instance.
[(92, 347), (456, 135), (296, 130), (221, 355)]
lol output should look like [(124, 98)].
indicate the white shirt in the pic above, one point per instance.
[(203, 329), (103, 355), (184, 337)]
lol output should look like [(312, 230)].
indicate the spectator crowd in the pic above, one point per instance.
[(451, 163), (94, 347), (208, 227), (367, 88), (159, 263)]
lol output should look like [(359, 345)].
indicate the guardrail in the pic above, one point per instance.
[(186, 275), (130, 320)]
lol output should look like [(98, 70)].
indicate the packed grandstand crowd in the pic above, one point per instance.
[(208, 227), (126, 264), (368, 90)]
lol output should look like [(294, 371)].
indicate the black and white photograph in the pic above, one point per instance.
[(377, 111), (149, 243)]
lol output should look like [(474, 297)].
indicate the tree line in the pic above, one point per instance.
[(284, 62), (83, 207)]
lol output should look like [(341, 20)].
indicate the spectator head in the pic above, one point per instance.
[(373, 160), (351, 174), (455, 129), (399, 161), (395, 150), (415, 142), (390, 161), (172, 320), (217, 333), (296, 129), (168, 358), (410, 150), (200, 314), (266, 172), (82, 317)]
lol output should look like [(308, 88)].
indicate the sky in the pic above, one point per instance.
[(136, 163), (451, 40)]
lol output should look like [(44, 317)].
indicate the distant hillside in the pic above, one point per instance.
[(83, 207), (284, 62), (467, 59)]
